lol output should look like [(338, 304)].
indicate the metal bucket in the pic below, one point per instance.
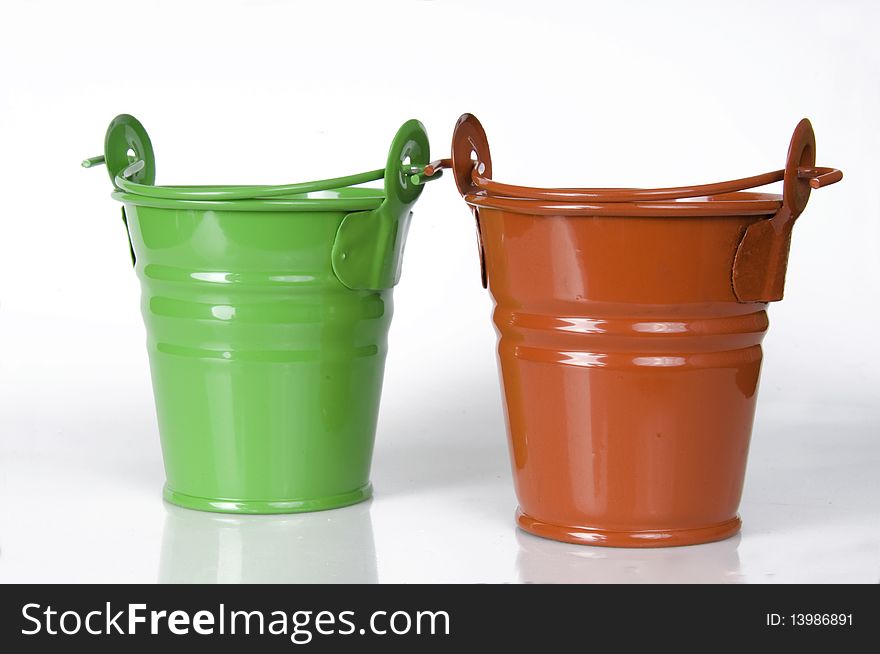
[(267, 311), (630, 324)]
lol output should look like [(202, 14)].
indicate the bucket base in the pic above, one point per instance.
[(645, 538), (267, 506)]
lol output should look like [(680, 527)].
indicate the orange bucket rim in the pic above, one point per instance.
[(727, 204)]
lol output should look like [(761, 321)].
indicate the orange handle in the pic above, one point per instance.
[(436, 166), (819, 177), (761, 258)]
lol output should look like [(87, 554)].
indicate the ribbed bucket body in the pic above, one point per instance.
[(630, 373), (266, 369)]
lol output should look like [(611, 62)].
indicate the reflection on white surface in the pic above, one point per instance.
[(546, 561), (323, 547)]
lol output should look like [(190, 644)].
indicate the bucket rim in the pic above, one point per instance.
[(343, 199), (739, 203)]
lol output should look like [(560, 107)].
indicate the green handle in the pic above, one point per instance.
[(128, 151), (126, 143), (368, 249)]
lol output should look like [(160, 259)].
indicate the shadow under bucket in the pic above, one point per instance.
[(267, 311), (630, 325)]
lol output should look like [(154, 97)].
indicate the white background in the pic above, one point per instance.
[(589, 94)]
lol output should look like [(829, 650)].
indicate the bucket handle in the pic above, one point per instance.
[(128, 153), (761, 258), (131, 164), (473, 178), (368, 249), (470, 159)]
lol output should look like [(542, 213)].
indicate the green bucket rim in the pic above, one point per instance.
[(347, 199)]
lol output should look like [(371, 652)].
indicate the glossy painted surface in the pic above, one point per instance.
[(267, 363), (630, 374), (266, 369), (630, 367)]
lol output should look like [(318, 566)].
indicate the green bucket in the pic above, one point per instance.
[(267, 311)]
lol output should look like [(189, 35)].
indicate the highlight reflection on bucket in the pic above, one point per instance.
[(267, 311), (630, 325)]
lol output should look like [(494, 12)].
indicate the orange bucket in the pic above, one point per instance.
[(630, 324)]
